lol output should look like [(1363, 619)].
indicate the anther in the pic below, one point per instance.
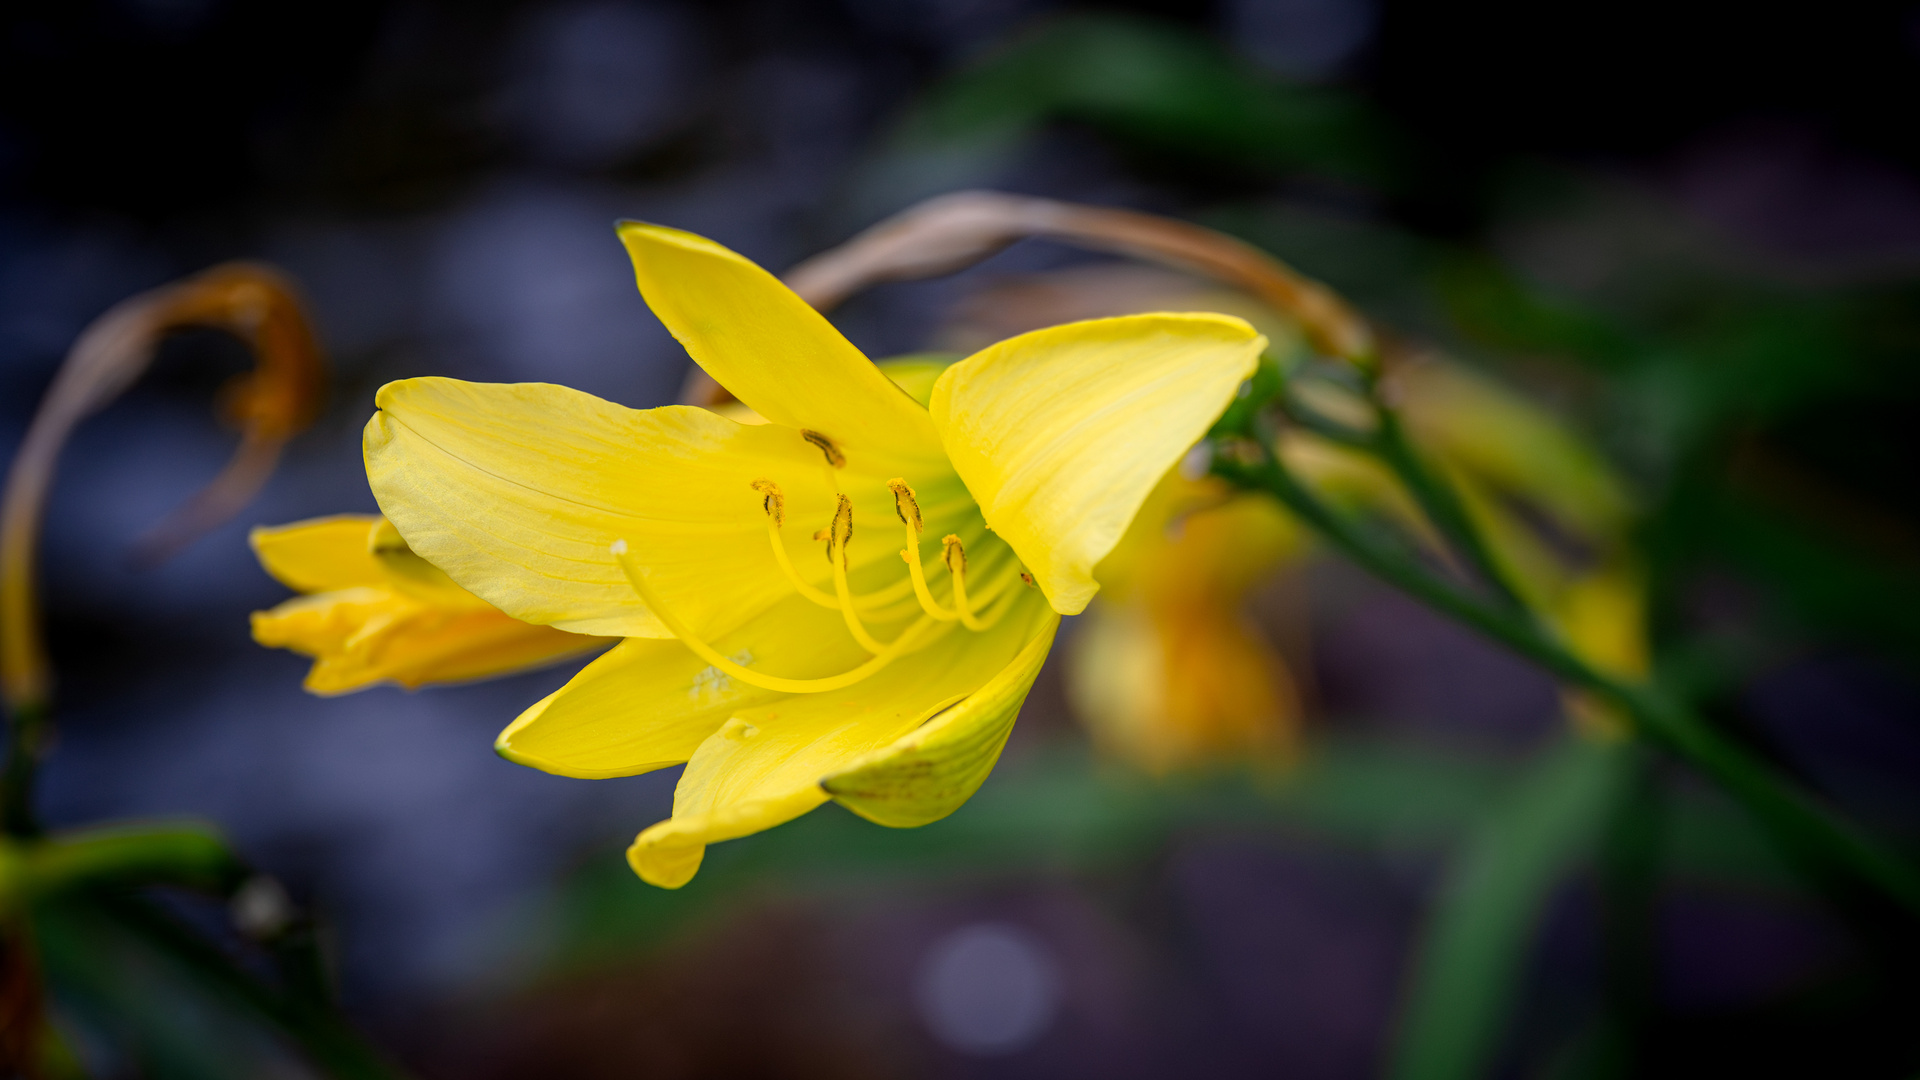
[(842, 534), (905, 504), (775, 503), (954, 555), (914, 636), (1028, 578), (825, 445), (956, 559)]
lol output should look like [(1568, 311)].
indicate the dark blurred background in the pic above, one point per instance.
[(1695, 228)]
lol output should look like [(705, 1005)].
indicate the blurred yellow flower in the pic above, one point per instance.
[(1168, 671), (375, 612), (780, 678)]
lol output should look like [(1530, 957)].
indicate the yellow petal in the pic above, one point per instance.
[(770, 349), (916, 372), (517, 491), (414, 576), (1061, 433), (322, 623), (648, 704), (928, 773), (766, 764), (363, 637), (319, 554)]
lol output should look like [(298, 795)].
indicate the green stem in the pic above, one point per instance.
[(1441, 505), (26, 733), (1793, 815)]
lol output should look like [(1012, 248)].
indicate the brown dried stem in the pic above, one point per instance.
[(255, 303), (951, 232)]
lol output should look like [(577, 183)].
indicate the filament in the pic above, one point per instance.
[(637, 578), (838, 536), (775, 504), (908, 507), (970, 611), (956, 558)]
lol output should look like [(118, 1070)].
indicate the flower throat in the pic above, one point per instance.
[(977, 612)]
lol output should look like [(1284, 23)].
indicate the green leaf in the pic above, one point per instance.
[(1470, 960)]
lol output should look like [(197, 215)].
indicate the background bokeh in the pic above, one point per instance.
[(1694, 229)]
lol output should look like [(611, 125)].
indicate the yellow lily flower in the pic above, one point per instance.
[(1168, 671), (375, 612), (783, 679)]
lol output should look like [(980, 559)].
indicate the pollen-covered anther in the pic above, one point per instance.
[(905, 504), (953, 553), (842, 533), (775, 501), (825, 445)]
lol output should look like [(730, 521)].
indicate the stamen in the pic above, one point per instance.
[(775, 503), (775, 506), (629, 565), (908, 508), (905, 505), (956, 558), (842, 533), (834, 457)]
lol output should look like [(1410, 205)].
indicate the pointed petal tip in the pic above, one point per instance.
[(666, 866), (638, 235)]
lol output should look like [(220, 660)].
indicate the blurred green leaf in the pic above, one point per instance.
[(1477, 938), (136, 1002), (190, 855), (178, 1003), (1158, 89)]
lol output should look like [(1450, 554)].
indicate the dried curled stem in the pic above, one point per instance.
[(952, 232), (255, 303)]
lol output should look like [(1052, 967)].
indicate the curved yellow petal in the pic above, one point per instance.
[(319, 554), (766, 764), (773, 351), (648, 704), (362, 637), (517, 491), (1061, 433), (928, 773), (324, 622)]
